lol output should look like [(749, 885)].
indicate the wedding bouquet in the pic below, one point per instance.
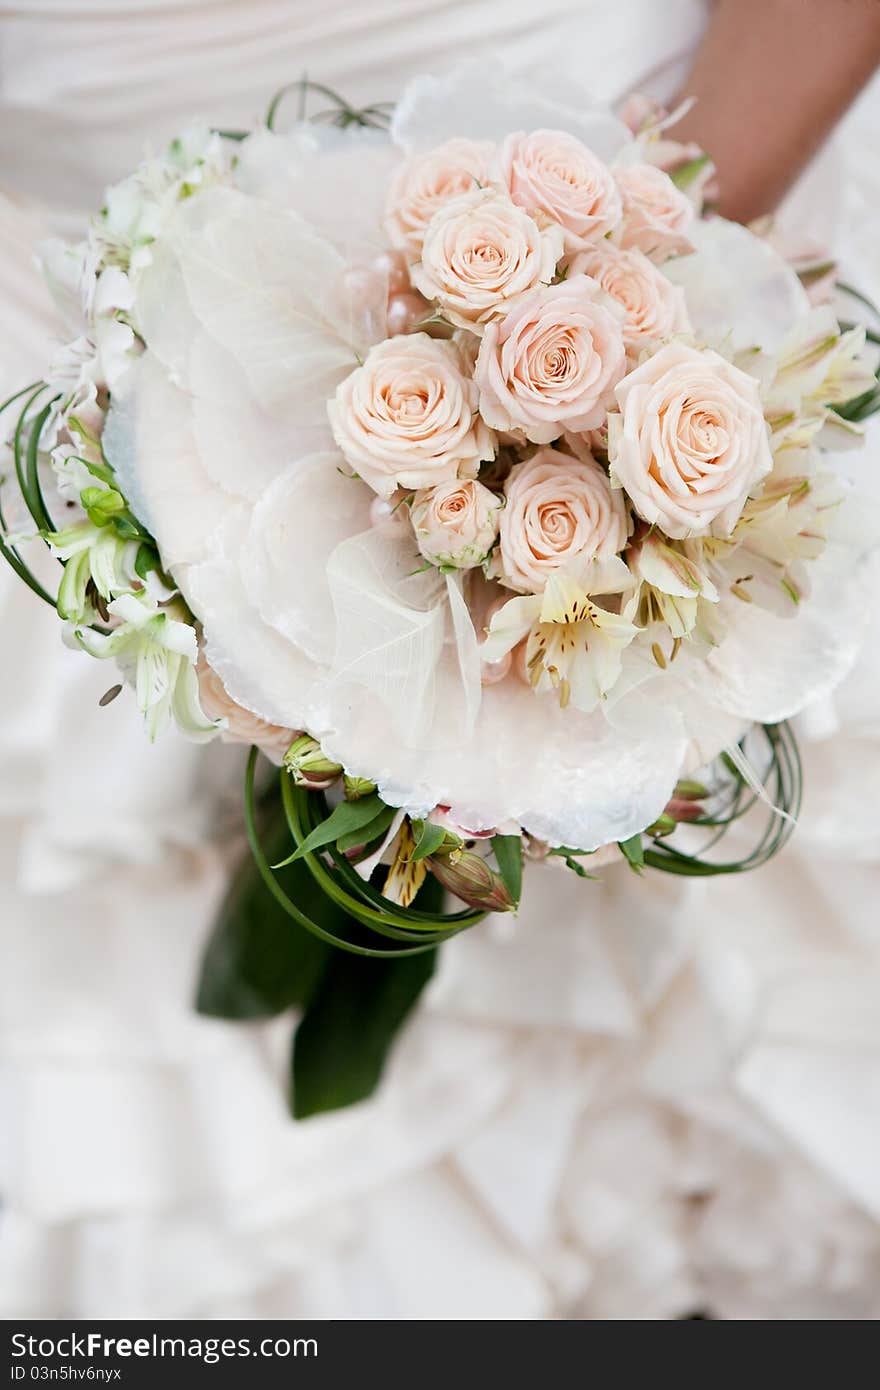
[(476, 475)]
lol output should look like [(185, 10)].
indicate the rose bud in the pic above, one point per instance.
[(469, 877), (309, 766), (456, 523)]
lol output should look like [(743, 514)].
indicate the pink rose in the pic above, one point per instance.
[(656, 214), (408, 417), (456, 523), (426, 181), (690, 441), (552, 363), (241, 725), (481, 254), (552, 172), (558, 509), (653, 307)]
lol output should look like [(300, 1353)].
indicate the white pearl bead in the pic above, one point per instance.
[(403, 311), (492, 672)]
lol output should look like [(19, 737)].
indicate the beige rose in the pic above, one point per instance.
[(456, 523), (481, 254), (653, 307), (690, 441), (408, 417), (241, 725), (656, 214), (426, 181), (558, 509), (552, 172), (553, 362)]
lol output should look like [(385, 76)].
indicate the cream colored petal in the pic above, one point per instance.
[(740, 292), (484, 103), (294, 529)]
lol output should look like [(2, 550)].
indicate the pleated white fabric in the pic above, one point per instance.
[(641, 1098)]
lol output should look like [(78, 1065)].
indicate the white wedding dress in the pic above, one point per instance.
[(640, 1099)]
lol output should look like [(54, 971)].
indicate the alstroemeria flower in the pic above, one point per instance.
[(671, 585), (820, 366), (94, 556), (777, 532), (158, 653), (573, 643)]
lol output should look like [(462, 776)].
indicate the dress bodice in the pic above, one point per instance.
[(86, 85)]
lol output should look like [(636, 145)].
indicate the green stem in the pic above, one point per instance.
[(281, 897)]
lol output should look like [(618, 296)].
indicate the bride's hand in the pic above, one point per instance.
[(771, 79)]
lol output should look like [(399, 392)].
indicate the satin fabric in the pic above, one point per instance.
[(641, 1098)]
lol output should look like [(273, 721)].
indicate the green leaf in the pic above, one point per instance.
[(508, 855), (633, 852), (258, 961), (347, 816), (685, 174), (369, 832), (342, 1043), (576, 867), (147, 559), (429, 838)]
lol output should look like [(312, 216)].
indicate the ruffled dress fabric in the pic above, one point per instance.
[(641, 1099)]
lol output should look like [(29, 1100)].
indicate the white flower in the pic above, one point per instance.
[(137, 209), (574, 643), (96, 555), (673, 587), (157, 652), (820, 366)]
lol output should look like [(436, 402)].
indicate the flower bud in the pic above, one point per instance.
[(309, 766), (456, 523), (358, 787), (686, 790), (680, 809), (470, 878)]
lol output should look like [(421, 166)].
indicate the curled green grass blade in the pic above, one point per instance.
[(278, 893)]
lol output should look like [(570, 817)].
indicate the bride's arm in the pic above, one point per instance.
[(770, 80)]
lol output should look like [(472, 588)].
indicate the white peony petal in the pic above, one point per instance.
[(260, 669), (486, 103), (740, 293), (466, 648), (294, 528), (769, 668), (149, 442), (390, 625), (570, 778), (315, 170), (278, 297)]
